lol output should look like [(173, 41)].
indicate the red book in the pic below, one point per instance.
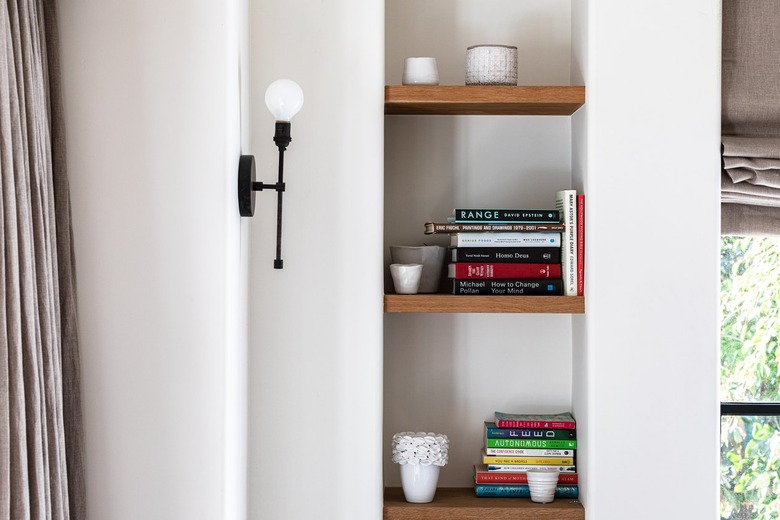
[(483, 476), (580, 244), (468, 270), (560, 421)]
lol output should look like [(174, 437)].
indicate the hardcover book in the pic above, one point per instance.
[(528, 452), (580, 244), (512, 287), (521, 490), (528, 461), (559, 421), (545, 444), (514, 468), (464, 270), (436, 227), (505, 240), (566, 203), (483, 476), (494, 432), (505, 215), (531, 255)]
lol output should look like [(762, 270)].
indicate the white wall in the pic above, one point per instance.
[(315, 346), (151, 99), (449, 373), (647, 146)]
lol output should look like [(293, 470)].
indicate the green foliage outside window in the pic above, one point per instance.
[(750, 324)]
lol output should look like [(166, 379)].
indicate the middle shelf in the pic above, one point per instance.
[(449, 303)]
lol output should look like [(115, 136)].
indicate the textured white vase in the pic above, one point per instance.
[(419, 482)]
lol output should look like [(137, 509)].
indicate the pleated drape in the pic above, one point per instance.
[(41, 469)]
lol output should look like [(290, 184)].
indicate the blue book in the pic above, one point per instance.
[(521, 490)]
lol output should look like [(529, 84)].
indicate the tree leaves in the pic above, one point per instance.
[(750, 326)]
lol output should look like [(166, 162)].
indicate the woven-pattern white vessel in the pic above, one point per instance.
[(420, 448), (491, 65)]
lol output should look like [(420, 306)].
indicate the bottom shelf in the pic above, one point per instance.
[(462, 504)]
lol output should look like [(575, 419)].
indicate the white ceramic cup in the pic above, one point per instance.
[(420, 71), (431, 258), (406, 277), (542, 484)]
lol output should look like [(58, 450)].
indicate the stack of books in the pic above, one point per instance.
[(516, 443), (504, 251), (517, 251)]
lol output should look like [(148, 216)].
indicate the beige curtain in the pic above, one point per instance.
[(41, 470), (750, 118)]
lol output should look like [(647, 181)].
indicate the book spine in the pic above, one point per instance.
[(544, 444), (521, 491), (506, 215), (468, 270), (531, 255), (510, 287), (565, 202), (580, 244), (499, 477), (493, 432), (432, 228), (515, 468), (540, 461), (553, 425), (529, 452), (505, 240)]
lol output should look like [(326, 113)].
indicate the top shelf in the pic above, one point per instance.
[(483, 100)]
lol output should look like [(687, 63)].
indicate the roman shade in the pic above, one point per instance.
[(750, 118)]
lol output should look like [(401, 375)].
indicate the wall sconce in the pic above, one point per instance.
[(284, 98)]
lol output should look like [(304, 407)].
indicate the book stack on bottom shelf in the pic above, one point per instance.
[(517, 443)]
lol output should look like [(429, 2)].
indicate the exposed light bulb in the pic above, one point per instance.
[(284, 98)]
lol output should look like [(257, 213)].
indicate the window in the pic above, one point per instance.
[(749, 382)]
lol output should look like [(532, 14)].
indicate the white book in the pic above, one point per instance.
[(529, 452), (566, 203), (505, 240), (514, 468)]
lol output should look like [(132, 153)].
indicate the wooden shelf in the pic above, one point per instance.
[(484, 304), (483, 100), (462, 504)]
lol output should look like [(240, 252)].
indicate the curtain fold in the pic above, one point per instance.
[(750, 118), (40, 411), (751, 171)]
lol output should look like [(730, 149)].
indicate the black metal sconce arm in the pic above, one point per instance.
[(247, 185)]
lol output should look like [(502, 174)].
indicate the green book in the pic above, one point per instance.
[(532, 443)]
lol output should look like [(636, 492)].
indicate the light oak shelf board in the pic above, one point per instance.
[(462, 504), (450, 303), (483, 100)]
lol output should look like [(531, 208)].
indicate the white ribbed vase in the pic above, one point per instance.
[(419, 482)]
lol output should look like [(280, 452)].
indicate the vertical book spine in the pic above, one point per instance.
[(565, 202), (580, 244)]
